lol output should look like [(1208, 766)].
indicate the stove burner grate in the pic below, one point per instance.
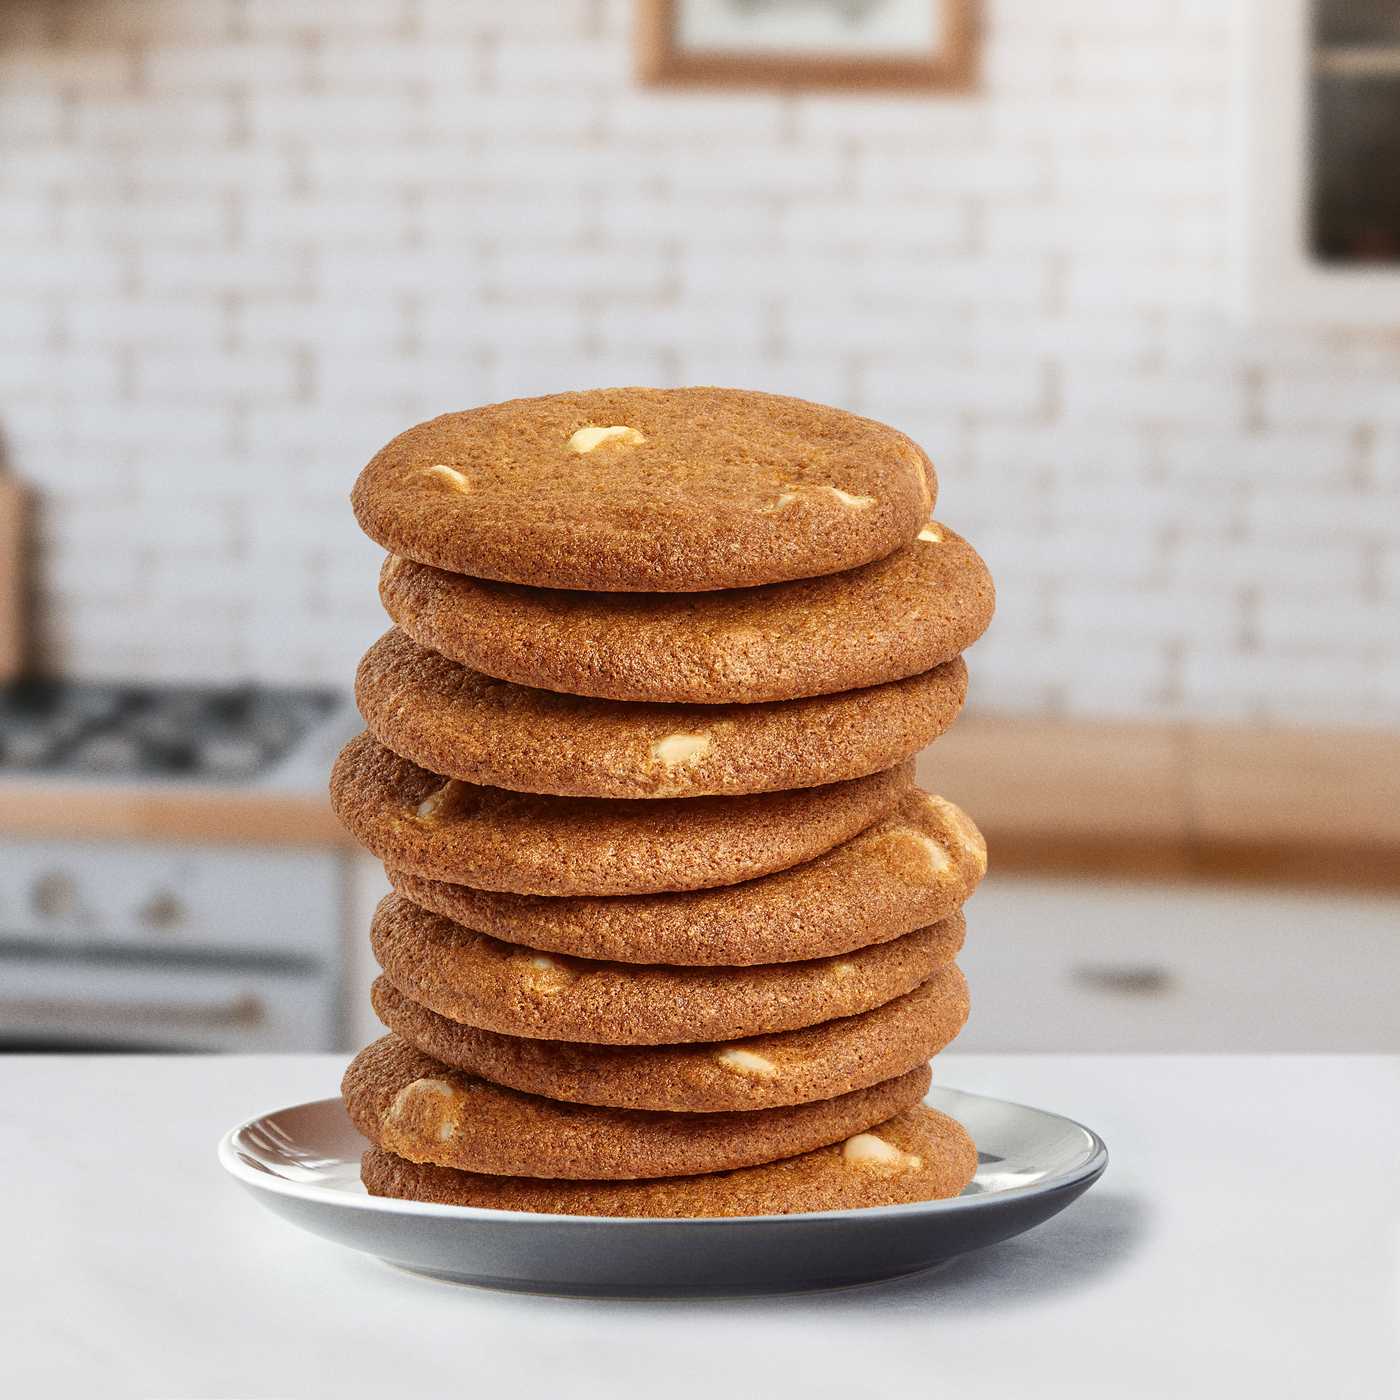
[(222, 733)]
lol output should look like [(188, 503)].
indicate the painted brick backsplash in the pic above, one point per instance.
[(243, 242)]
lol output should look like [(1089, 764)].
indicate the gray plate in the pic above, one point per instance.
[(303, 1163)]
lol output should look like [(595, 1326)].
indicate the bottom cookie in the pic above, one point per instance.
[(918, 1155)]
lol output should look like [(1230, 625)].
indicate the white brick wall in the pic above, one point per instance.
[(242, 242)]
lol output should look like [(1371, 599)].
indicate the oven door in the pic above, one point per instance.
[(70, 1001)]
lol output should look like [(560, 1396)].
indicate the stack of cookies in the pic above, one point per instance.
[(672, 931)]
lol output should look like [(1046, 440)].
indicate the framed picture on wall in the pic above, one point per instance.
[(911, 44)]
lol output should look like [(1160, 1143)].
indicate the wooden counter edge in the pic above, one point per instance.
[(1182, 802), (199, 815)]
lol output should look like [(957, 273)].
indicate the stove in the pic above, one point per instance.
[(208, 733), (169, 944)]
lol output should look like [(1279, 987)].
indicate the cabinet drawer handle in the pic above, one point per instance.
[(242, 1012), (1125, 979)]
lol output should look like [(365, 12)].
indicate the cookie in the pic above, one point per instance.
[(497, 840), (646, 490), (416, 1108), (766, 1071), (899, 616), (463, 724), (471, 977), (911, 868), (918, 1155)]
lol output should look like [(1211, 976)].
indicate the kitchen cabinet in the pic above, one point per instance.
[(1094, 965), (243, 1007), (186, 946)]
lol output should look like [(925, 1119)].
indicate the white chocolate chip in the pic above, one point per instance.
[(439, 804), (787, 494), (676, 749), (420, 1088), (843, 969), (969, 838), (938, 858), (419, 1095), (874, 1154), (545, 974), (855, 502), (586, 439), (455, 479), (747, 1062), (931, 532)]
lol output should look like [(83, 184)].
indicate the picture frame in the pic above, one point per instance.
[(851, 45)]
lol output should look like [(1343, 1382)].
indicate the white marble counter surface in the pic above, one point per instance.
[(1244, 1242)]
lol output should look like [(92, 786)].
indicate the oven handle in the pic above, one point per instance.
[(245, 1011)]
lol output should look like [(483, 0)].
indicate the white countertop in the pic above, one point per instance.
[(1245, 1241)]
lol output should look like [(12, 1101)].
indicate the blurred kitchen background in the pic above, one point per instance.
[(1130, 271)]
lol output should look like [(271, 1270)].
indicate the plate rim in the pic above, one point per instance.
[(255, 1179)]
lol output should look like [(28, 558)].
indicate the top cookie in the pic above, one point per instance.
[(646, 490)]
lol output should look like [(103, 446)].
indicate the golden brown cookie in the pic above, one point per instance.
[(646, 489), (766, 1071), (918, 1155), (462, 724), (911, 868), (893, 618), (471, 977), (497, 840), (410, 1105)]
